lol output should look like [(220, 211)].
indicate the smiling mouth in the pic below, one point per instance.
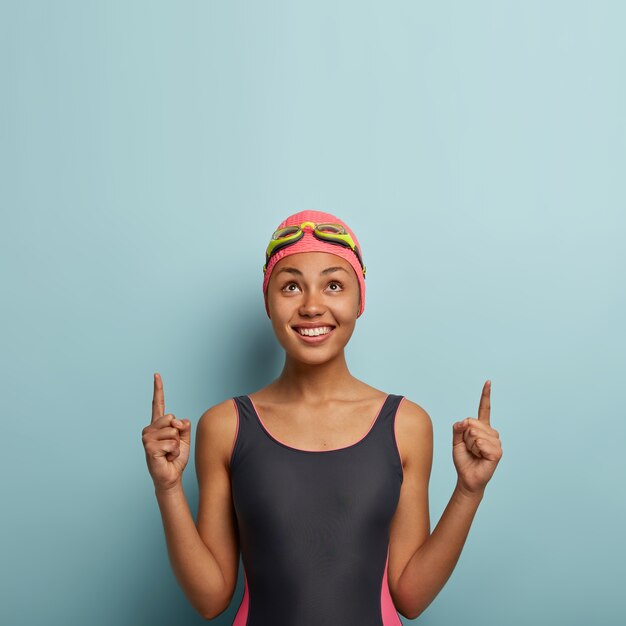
[(313, 332)]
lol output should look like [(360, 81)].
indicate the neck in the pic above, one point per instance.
[(314, 383)]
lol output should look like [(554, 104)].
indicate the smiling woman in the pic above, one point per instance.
[(310, 281), (311, 330), (318, 480)]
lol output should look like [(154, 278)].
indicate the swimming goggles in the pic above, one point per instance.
[(331, 233)]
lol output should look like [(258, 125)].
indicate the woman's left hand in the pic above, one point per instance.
[(476, 448)]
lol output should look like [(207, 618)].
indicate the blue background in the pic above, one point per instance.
[(148, 150)]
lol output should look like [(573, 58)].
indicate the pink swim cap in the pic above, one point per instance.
[(310, 243)]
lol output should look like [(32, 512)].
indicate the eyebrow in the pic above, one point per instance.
[(328, 270)]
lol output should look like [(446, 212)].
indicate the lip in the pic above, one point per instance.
[(313, 340)]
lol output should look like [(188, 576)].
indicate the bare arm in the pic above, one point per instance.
[(423, 562), (196, 569), (432, 564), (205, 557)]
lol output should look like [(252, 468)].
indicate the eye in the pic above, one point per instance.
[(335, 282), (287, 285)]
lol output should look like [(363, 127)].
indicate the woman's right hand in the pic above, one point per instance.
[(166, 441)]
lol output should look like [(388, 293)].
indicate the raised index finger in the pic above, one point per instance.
[(158, 400), (484, 408)]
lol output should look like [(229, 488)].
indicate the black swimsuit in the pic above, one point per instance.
[(314, 525)]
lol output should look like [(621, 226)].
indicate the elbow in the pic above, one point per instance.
[(211, 615), (216, 609), (409, 614), (213, 612), (214, 604), (414, 614), (409, 610)]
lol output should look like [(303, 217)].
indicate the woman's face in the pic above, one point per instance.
[(313, 288)]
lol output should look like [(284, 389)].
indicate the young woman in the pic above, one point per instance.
[(319, 479)]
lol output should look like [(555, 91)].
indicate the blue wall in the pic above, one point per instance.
[(477, 149)]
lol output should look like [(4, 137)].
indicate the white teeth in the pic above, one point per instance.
[(313, 332)]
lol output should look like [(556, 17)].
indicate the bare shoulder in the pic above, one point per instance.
[(414, 432), (217, 428)]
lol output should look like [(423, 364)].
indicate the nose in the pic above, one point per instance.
[(312, 304)]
